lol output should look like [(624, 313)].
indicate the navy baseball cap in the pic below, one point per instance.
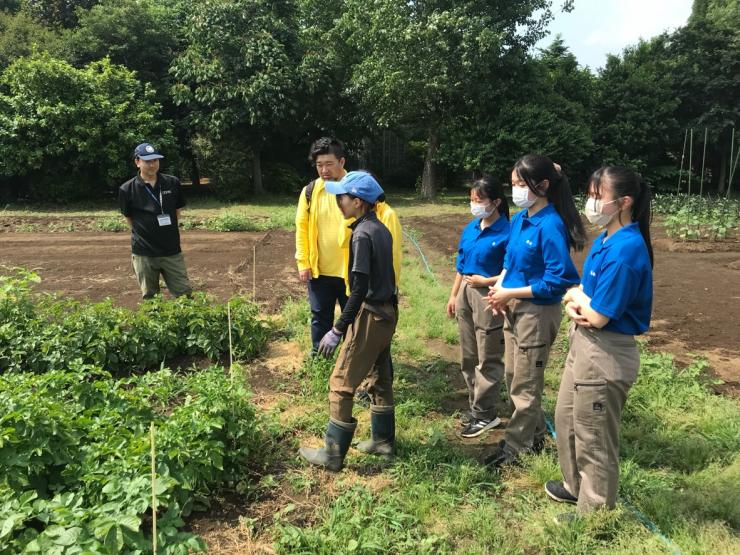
[(358, 184), (145, 151)]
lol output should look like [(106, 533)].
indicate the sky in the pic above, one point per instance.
[(596, 28)]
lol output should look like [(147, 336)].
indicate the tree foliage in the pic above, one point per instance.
[(68, 132)]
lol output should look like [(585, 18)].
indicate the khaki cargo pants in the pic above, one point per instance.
[(599, 371), (172, 268), (366, 353), (529, 332), (481, 350)]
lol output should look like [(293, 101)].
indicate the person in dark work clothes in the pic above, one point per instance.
[(151, 202), (367, 322)]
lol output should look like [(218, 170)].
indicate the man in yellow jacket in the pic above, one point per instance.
[(322, 238)]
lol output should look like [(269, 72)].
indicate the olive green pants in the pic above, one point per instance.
[(171, 268), (529, 332), (481, 350), (365, 354), (599, 372)]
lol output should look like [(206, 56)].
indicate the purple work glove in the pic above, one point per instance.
[(329, 342)]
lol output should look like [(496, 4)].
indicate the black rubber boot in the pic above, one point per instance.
[(337, 440), (383, 430)]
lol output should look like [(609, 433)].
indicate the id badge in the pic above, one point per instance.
[(164, 219)]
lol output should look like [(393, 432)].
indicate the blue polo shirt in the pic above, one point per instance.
[(619, 279), (481, 251), (538, 255)]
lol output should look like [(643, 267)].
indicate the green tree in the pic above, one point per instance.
[(138, 34), (539, 104), (635, 111), (706, 70), (238, 73), (57, 13), (20, 35), (425, 63), (68, 133)]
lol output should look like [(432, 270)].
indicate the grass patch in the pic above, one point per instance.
[(680, 463)]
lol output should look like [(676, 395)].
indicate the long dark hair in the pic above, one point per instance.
[(533, 169), (628, 183), (489, 187)]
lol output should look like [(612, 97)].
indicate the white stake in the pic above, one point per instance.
[(154, 491), (691, 156), (703, 159), (231, 348), (683, 154)]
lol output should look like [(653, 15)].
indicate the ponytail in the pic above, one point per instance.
[(628, 183), (533, 169), (489, 187), (642, 214)]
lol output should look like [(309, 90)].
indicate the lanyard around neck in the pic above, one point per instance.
[(161, 206)]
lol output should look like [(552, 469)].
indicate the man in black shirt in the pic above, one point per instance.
[(368, 323), (151, 202)]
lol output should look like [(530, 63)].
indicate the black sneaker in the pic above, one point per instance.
[(556, 490), (477, 427)]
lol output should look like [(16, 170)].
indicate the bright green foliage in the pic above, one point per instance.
[(70, 132), (75, 474), (42, 333), (695, 217)]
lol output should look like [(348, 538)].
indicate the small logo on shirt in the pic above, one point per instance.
[(494, 243), (166, 192), (592, 273), (529, 242)]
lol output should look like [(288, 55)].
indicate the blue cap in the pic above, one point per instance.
[(145, 151), (358, 184)]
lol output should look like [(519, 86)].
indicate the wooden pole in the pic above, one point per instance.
[(254, 272), (154, 490), (732, 166), (231, 349), (691, 156), (703, 159), (683, 154)]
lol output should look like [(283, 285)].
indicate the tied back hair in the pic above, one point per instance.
[(490, 188), (626, 182), (534, 169)]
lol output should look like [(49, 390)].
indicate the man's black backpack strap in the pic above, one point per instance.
[(309, 193)]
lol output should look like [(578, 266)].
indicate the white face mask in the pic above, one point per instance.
[(594, 212), (520, 196), (478, 210)]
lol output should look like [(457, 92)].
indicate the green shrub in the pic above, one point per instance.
[(75, 467), (40, 333)]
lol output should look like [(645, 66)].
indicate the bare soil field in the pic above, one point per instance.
[(696, 309)]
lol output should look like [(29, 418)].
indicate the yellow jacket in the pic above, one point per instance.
[(307, 224), (388, 217)]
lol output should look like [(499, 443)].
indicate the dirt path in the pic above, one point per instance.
[(91, 265), (696, 308), (697, 285)]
